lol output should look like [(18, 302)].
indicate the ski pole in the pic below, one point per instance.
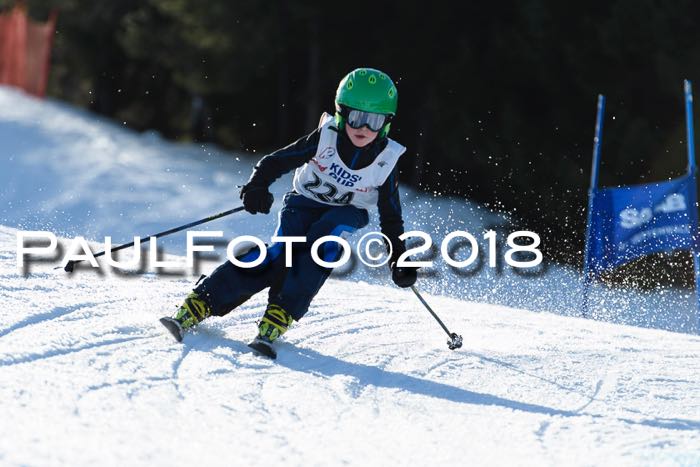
[(71, 264), (455, 341)]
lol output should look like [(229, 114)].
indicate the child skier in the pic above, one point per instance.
[(342, 168)]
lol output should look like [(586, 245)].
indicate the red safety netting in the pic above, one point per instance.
[(25, 50)]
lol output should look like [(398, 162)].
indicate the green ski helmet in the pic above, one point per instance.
[(368, 90)]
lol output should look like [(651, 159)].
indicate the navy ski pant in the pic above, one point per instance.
[(291, 288)]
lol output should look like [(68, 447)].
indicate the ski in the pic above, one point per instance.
[(263, 348), (173, 327)]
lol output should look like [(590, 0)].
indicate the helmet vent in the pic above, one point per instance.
[(368, 90)]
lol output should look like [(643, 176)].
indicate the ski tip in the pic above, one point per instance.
[(173, 327), (263, 348)]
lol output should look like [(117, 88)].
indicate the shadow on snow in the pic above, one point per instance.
[(315, 363)]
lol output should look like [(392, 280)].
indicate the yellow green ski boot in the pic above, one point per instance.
[(190, 314), (273, 324)]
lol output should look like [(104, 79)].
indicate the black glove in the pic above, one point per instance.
[(256, 198), (403, 277)]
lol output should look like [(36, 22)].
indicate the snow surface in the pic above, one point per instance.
[(88, 376)]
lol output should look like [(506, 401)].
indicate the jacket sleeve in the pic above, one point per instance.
[(273, 166), (390, 218)]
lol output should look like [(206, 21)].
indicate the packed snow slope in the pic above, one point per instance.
[(89, 377)]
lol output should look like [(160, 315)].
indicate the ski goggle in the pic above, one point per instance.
[(357, 119)]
